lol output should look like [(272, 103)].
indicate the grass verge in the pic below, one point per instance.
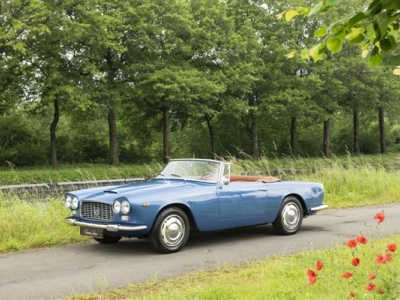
[(283, 277), (34, 224)]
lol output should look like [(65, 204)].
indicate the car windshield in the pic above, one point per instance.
[(202, 170)]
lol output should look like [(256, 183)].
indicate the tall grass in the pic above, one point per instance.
[(83, 172), (348, 181), (34, 224)]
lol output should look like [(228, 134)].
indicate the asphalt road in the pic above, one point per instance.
[(61, 272)]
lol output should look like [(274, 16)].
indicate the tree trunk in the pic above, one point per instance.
[(293, 136), (356, 132), (112, 132), (382, 135), (166, 133), (53, 128), (327, 132), (211, 134), (252, 100), (254, 142)]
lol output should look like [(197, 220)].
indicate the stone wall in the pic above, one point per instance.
[(59, 189)]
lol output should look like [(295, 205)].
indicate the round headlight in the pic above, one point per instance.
[(68, 201), (74, 203), (117, 207), (125, 207)]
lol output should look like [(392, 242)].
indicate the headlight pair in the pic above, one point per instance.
[(121, 207), (71, 202)]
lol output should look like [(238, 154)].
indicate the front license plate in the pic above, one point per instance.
[(92, 232)]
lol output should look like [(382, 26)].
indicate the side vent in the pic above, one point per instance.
[(111, 192)]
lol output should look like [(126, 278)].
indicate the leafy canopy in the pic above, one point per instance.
[(375, 28)]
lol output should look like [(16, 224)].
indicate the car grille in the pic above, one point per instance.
[(97, 211)]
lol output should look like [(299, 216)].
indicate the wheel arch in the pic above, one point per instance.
[(183, 207)]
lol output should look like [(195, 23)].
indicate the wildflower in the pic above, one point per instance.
[(380, 259), (361, 239), (355, 261), (370, 287), (312, 276), (319, 264), (391, 247), (347, 275), (352, 294), (383, 258), (371, 276), (351, 243), (388, 257), (380, 216)]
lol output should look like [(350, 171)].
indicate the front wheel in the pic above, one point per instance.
[(290, 216), (170, 231), (108, 239)]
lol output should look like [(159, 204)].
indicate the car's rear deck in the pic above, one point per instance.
[(245, 178)]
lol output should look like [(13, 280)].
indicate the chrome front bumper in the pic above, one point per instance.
[(317, 208), (108, 227)]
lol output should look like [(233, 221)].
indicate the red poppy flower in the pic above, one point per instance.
[(380, 216), (351, 243), (352, 294), (312, 276), (391, 247), (355, 261), (371, 276), (370, 287), (319, 265), (361, 239), (388, 257), (347, 275), (380, 259)]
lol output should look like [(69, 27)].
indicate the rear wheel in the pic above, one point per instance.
[(170, 231), (108, 239), (290, 216)]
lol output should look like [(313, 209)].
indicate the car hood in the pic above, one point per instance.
[(145, 190)]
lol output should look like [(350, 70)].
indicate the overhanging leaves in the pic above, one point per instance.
[(334, 45)]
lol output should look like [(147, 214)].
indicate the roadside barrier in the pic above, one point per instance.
[(60, 188)]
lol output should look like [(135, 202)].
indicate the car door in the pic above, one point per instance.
[(243, 203)]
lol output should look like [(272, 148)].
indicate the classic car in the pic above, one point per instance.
[(191, 194)]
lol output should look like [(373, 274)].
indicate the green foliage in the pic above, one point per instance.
[(374, 28), (195, 78), (20, 142)]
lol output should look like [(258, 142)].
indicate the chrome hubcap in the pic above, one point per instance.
[(290, 216), (172, 230)]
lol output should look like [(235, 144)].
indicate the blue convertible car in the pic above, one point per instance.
[(197, 194)]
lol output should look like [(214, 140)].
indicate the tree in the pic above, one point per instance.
[(171, 57), (99, 59), (43, 37), (388, 93), (213, 33)]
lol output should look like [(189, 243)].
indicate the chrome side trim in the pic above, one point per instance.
[(109, 227), (321, 207)]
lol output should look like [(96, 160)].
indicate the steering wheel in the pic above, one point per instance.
[(206, 175)]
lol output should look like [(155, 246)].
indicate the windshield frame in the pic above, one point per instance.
[(194, 169)]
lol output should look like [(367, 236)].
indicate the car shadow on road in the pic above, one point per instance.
[(129, 246)]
